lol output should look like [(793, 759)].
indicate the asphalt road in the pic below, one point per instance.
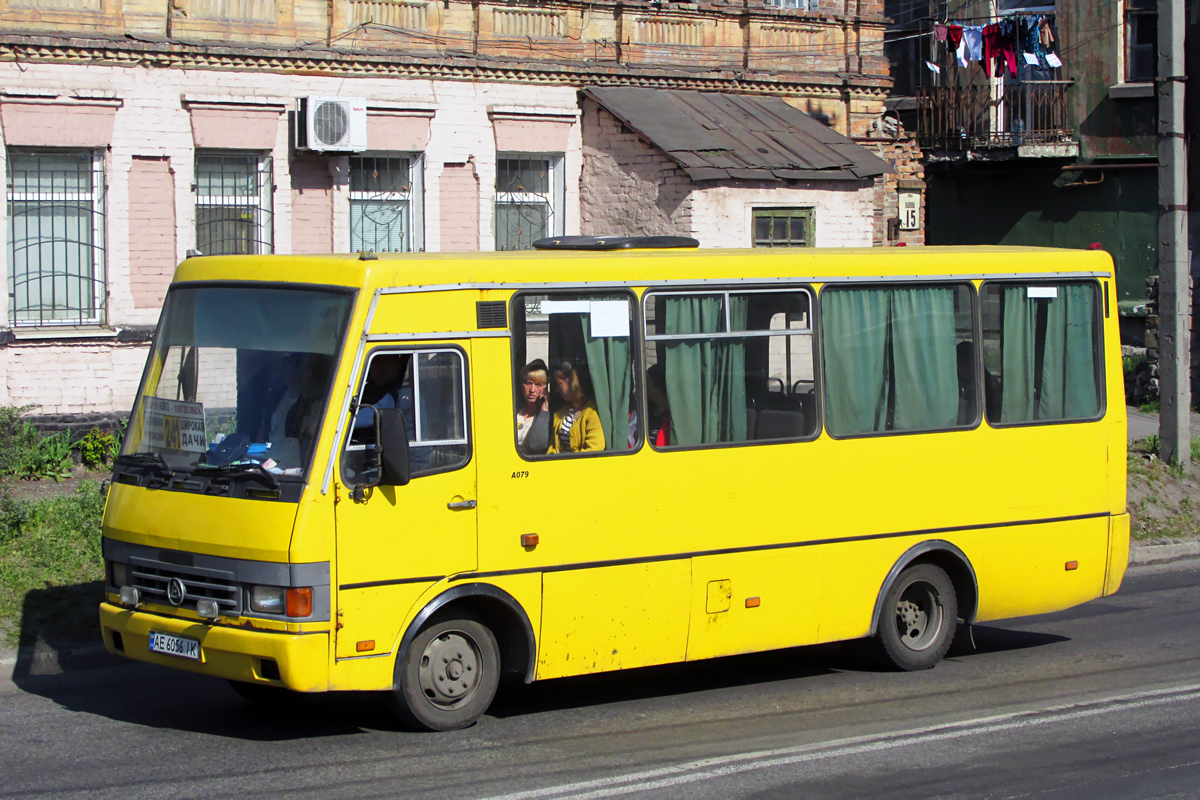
[(1097, 702)]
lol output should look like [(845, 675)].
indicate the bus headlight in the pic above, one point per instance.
[(118, 574), (267, 599)]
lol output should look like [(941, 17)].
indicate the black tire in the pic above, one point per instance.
[(448, 676), (918, 618), (261, 694)]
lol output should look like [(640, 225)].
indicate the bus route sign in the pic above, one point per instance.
[(174, 425)]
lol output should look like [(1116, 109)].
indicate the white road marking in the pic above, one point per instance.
[(722, 766)]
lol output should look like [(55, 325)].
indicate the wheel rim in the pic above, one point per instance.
[(919, 616), (450, 672)]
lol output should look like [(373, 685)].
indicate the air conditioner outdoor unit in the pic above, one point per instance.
[(331, 124)]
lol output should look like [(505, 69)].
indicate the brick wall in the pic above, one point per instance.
[(904, 155), (312, 206), (460, 191), (152, 209), (628, 187)]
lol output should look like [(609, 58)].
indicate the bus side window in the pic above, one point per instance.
[(896, 358), (582, 344), (1041, 348)]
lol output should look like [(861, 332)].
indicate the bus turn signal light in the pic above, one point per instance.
[(529, 540), (299, 602), (753, 602), (1072, 565), (365, 646)]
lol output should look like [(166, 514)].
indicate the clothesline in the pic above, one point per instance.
[(996, 44)]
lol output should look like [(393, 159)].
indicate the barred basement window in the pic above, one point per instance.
[(233, 204), (530, 191), (783, 227), (385, 203), (56, 237)]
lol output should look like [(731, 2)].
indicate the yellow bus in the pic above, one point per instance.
[(418, 472)]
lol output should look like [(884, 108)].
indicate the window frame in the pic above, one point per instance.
[(97, 200), (1126, 51), (516, 307), (975, 315), (1097, 349), (261, 202), (554, 200), (726, 290), (414, 351), (807, 213), (415, 196)]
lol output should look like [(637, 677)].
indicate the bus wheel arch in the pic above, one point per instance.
[(478, 625), (955, 567)]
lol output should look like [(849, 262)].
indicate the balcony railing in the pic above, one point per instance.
[(986, 117)]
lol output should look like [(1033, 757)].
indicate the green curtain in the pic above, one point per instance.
[(1018, 345), (609, 359), (1065, 386), (855, 327), (925, 364), (706, 379)]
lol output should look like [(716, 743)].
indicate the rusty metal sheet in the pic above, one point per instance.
[(717, 135)]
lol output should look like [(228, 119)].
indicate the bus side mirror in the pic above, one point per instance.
[(393, 447)]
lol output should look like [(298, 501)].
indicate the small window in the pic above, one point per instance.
[(783, 227), (1041, 352), (530, 193), (898, 359), (1141, 40), (575, 352), (728, 367), (233, 204), (429, 388), (55, 237), (385, 203)]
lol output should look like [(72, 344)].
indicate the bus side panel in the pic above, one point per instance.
[(747, 602), (1023, 570), (1118, 552), (371, 618), (607, 618)]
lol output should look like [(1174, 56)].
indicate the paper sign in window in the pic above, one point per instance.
[(610, 318), (1041, 292)]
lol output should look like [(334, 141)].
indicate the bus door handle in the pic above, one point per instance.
[(457, 504)]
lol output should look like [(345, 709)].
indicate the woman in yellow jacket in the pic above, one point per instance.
[(577, 424)]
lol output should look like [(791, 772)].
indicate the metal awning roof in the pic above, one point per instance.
[(716, 136)]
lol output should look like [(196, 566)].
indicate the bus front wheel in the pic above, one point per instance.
[(448, 676), (920, 613)]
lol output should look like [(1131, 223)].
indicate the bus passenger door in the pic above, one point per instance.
[(393, 542)]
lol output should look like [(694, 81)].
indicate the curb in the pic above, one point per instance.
[(1159, 553)]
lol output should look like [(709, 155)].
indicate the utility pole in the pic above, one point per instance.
[(1174, 294)]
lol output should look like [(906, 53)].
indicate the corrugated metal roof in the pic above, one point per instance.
[(717, 136)]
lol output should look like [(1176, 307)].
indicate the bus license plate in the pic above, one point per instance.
[(174, 645)]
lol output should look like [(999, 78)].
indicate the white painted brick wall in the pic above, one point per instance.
[(62, 377), (843, 214)]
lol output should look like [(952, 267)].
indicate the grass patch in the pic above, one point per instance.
[(50, 566), (1164, 501)]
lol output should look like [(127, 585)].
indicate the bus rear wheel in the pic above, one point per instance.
[(920, 613), (448, 677)]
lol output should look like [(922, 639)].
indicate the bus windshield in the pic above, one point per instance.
[(238, 379)]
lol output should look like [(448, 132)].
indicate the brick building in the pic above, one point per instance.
[(133, 131)]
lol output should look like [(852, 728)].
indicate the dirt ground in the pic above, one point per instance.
[(39, 490)]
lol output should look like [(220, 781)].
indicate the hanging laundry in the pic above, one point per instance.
[(998, 50), (973, 37), (939, 32), (954, 34), (1045, 35)]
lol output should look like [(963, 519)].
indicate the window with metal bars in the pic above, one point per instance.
[(530, 192), (233, 204), (783, 227), (56, 237), (385, 203)]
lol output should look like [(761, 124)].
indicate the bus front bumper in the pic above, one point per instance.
[(301, 661)]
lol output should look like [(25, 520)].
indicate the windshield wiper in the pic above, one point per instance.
[(238, 472), (153, 462)]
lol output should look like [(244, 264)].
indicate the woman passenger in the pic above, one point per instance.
[(533, 417), (577, 424)]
